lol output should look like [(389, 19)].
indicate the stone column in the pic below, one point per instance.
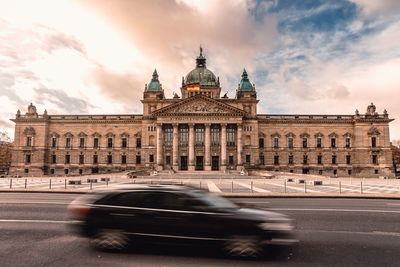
[(191, 147), (175, 142), (223, 146), (207, 148), (159, 148), (239, 147)]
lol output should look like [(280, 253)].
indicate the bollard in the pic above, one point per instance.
[(200, 184), (90, 185), (340, 187), (107, 182), (361, 188), (25, 182), (251, 187), (65, 184), (50, 184), (10, 183), (305, 187), (232, 187), (285, 186)]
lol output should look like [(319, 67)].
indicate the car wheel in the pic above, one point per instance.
[(243, 247), (110, 239)]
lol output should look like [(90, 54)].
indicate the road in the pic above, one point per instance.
[(332, 232)]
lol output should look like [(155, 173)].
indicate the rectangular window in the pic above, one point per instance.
[(53, 159), (262, 161), (51, 171), (261, 143), (95, 159), (290, 159), (68, 142), (333, 142), (305, 142), (167, 159), (333, 159), (319, 142), (123, 159), (305, 159), (349, 172), (138, 159), (168, 135), (199, 135), (375, 159), (67, 159), (230, 160), (109, 159), (138, 142), (53, 142), (276, 160), (215, 135), (29, 141), (248, 159), (184, 135), (348, 159), (290, 142), (124, 142), (81, 159), (319, 159), (151, 158), (347, 142), (230, 135), (96, 142), (27, 159), (276, 142), (81, 142), (109, 142), (373, 141)]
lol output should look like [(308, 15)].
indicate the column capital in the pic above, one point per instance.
[(239, 125), (175, 125), (224, 124), (191, 125), (207, 124)]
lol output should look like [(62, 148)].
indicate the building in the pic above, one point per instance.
[(200, 130)]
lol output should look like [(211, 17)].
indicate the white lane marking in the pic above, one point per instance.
[(257, 189), (295, 188), (339, 210), (393, 204), (212, 187), (351, 232), (33, 221)]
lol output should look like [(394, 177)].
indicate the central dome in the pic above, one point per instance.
[(201, 75)]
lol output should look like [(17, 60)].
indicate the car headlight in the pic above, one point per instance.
[(276, 226)]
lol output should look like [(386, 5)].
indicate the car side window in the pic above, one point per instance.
[(140, 199)]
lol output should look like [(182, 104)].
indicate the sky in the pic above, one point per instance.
[(95, 56)]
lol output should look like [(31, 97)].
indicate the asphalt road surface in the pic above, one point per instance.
[(332, 232)]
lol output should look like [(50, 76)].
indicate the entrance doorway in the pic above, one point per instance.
[(199, 163), (215, 163), (184, 164), (306, 171)]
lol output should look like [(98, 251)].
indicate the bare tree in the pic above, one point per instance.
[(4, 137)]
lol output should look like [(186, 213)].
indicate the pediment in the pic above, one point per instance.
[(199, 105)]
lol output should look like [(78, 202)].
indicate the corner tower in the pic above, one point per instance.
[(200, 80)]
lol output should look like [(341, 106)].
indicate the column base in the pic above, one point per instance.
[(222, 167), (175, 167), (160, 167), (207, 168), (239, 167), (191, 168)]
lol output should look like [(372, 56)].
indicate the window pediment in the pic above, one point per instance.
[(96, 134), (68, 134), (333, 135), (54, 134), (82, 134), (29, 131), (304, 135), (275, 134), (319, 134), (290, 134), (373, 131)]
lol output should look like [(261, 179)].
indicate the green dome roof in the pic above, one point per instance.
[(201, 74), (245, 84), (154, 84)]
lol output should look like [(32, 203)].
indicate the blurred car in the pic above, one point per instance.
[(171, 213)]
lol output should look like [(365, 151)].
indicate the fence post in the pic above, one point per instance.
[(10, 183), (251, 187), (200, 184), (305, 186), (340, 187), (25, 182), (361, 187), (90, 185), (107, 182), (285, 186), (50, 184), (65, 184), (232, 187)]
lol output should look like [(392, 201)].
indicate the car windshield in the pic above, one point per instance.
[(215, 201)]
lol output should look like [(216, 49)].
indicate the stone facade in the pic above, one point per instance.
[(202, 131)]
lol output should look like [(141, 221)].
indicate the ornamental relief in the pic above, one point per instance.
[(199, 107)]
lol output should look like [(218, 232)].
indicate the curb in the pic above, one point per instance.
[(236, 195)]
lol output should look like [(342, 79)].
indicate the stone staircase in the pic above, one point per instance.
[(166, 174)]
